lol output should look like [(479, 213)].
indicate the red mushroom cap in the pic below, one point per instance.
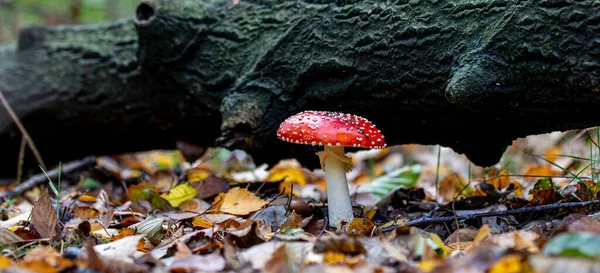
[(331, 129)]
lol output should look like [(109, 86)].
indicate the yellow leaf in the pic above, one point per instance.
[(287, 176), (362, 226), (430, 264), (197, 174), (5, 262), (200, 223), (240, 201), (216, 205), (180, 194), (552, 153), (87, 198), (333, 257), (511, 263), (436, 243), (500, 182), (483, 232)]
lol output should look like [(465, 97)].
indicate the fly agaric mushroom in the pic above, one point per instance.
[(334, 131)]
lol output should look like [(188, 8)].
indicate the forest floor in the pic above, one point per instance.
[(417, 209)]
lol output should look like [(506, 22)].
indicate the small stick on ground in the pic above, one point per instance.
[(431, 220), (21, 160), (16, 120), (41, 178)]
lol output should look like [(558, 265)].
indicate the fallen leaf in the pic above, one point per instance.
[(582, 244), (239, 201), (151, 228), (145, 191), (198, 263), (273, 215), (362, 226), (333, 257), (122, 249), (578, 223), (405, 177), (344, 243), (195, 205), (288, 172), (93, 260), (209, 186), (247, 237), (42, 253), (293, 221), (163, 180), (555, 264), (5, 262), (511, 263), (85, 212), (8, 237), (43, 216), (484, 232), (200, 223), (180, 194), (87, 198)]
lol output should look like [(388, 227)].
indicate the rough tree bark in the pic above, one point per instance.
[(469, 74)]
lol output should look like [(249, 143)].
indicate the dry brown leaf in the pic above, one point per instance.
[(8, 237), (42, 253), (484, 232), (279, 262), (93, 260), (43, 216), (362, 226), (163, 180), (85, 212), (578, 223), (209, 186), (195, 205), (344, 243), (240, 201), (293, 221), (249, 236)]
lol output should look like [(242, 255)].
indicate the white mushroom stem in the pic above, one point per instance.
[(336, 164)]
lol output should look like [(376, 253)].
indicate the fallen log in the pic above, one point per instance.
[(471, 75)]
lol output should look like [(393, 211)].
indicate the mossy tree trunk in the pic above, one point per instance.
[(471, 75)]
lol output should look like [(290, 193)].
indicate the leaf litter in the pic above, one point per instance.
[(535, 211)]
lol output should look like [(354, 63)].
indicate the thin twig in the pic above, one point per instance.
[(21, 160), (16, 120), (431, 220), (41, 178)]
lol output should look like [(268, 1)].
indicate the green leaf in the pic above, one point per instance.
[(150, 195), (90, 183), (405, 177), (50, 182), (574, 244)]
